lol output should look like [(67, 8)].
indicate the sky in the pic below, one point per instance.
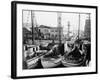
[(50, 19)]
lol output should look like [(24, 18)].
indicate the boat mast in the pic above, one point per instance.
[(68, 29), (89, 27), (89, 19), (79, 27), (32, 22), (59, 26)]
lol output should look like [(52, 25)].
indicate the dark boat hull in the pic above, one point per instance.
[(67, 63)]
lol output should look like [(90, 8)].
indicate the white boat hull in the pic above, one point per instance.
[(67, 64), (50, 64), (32, 63)]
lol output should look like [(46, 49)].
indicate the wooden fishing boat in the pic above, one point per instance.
[(32, 63), (50, 62), (72, 63), (70, 60), (32, 56), (52, 58)]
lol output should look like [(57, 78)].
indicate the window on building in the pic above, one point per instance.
[(56, 30)]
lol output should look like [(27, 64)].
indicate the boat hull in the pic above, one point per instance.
[(50, 64), (32, 63), (66, 63)]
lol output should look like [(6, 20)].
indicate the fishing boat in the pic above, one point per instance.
[(31, 50), (53, 57), (74, 56), (32, 56), (50, 62), (32, 63), (73, 62)]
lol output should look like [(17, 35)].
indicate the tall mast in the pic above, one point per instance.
[(32, 22), (59, 26), (68, 29), (79, 26), (89, 28)]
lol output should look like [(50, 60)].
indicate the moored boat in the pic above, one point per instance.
[(32, 56), (72, 63), (76, 57), (50, 62), (32, 63), (52, 58)]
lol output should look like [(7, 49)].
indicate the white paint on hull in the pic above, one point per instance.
[(50, 63)]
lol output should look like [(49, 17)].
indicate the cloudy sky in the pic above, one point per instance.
[(50, 19)]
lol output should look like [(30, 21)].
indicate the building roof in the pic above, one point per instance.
[(25, 30), (43, 26)]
